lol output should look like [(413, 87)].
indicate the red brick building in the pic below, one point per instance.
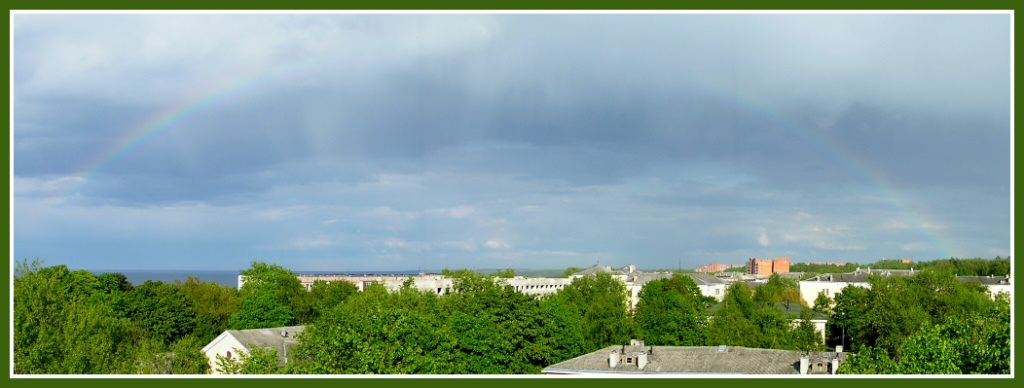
[(767, 267)]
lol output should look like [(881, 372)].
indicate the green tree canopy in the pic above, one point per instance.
[(214, 305), (670, 313), (601, 303), (271, 296)]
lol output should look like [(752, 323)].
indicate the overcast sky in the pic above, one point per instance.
[(396, 142)]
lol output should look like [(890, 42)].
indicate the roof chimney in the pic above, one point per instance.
[(805, 360), (835, 365), (284, 333), (641, 360), (613, 358)]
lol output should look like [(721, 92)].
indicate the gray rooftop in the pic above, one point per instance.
[(986, 280), (705, 279), (593, 270), (697, 360), (269, 338)]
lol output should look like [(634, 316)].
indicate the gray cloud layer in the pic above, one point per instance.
[(400, 141)]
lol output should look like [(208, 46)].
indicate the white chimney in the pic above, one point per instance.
[(613, 359), (641, 360), (835, 365), (804, 361)]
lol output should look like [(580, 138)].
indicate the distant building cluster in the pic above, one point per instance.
[(717, 267), (712, 268), (767, 267)]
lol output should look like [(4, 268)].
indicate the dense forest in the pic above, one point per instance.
[(76, 322)]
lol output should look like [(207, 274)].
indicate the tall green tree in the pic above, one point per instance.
[(162, 310), (214, 305), (324, 296), (601, 303), (670, 313), (271, 295), (59, 329), (371, 334)]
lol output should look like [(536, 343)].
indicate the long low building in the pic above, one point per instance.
[(633, 279), (832, 284), (432, 283)]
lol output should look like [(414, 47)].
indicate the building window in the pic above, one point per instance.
[(821, 367), (629, 360)]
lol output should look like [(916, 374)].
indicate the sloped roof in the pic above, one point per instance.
[(840, 278), (986, 280), (592, 270), (705, 279), (695, 359), (265, 338), (643, 278)]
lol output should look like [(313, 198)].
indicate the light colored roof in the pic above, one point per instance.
[(594, 269), (643, 278), (840, 278), (266, 338), (696, 359), (986, 280), (705, 279)]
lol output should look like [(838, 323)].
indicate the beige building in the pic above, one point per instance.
[(633, 279), (233, 342)]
